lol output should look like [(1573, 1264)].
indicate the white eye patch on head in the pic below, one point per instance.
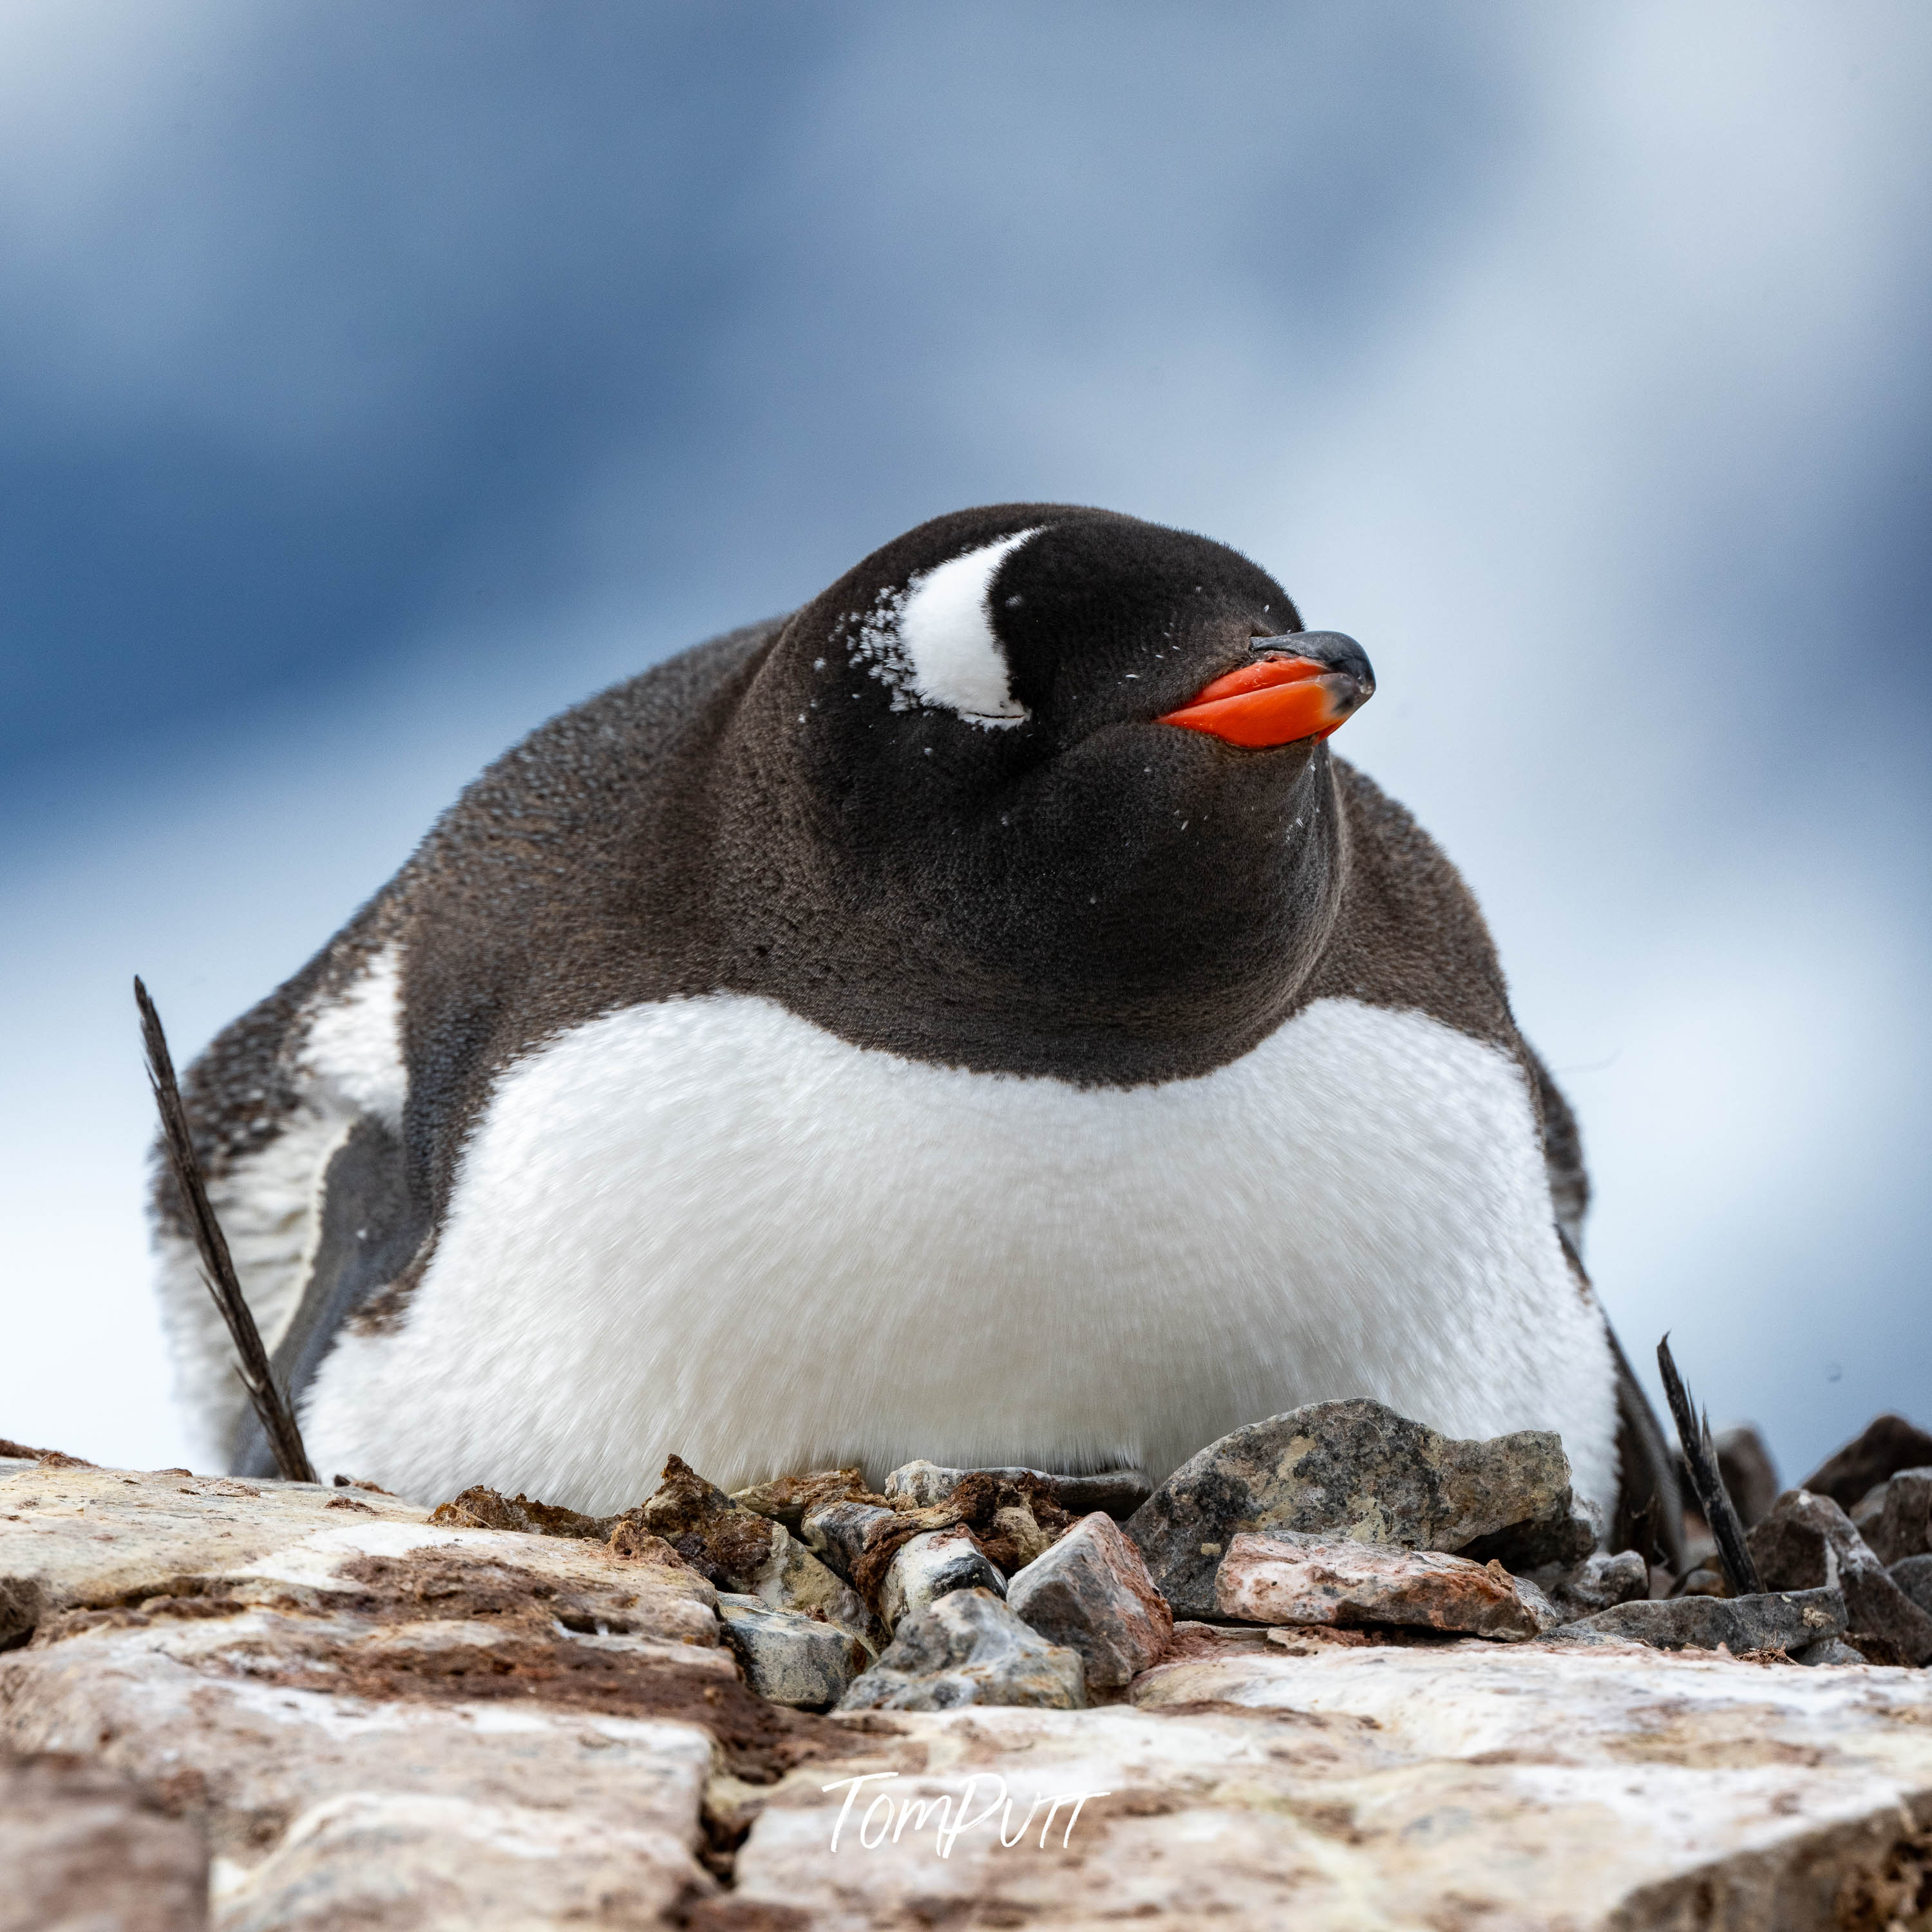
[(933, 642)]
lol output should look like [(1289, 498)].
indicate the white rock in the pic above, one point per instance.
[(919, 1485), (931, 1565), (967, 1647)]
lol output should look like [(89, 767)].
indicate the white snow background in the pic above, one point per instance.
[(377, 382)]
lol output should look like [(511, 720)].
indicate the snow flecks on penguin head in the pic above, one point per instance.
[(993, 758), (932, 641)]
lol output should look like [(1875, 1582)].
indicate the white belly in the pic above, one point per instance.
[(709, 1227)]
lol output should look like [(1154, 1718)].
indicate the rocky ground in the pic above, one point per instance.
[(1338, 1671)]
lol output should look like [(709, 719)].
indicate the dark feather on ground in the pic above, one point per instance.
[(218, 1268)]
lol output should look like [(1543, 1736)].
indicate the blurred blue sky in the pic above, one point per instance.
[(375, 381)]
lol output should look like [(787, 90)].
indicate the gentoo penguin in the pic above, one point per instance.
[(974, 1017)]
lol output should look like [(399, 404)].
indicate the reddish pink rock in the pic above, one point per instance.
[(1279, 1577), (1091, 1591)]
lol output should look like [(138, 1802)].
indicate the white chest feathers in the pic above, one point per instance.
[(709, 1227)]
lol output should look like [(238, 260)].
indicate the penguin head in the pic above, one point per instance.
[(1054, 793)]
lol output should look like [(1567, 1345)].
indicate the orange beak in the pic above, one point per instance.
[(1275, 701)]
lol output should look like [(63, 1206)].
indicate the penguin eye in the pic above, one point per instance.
[(952, 657)]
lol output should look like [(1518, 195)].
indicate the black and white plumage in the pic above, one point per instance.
[(883, 1033)]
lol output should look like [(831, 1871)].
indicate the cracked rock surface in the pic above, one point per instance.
[(371, 1719), (1463, 1784)]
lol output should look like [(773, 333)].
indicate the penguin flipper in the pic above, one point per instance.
[(306, 1085), (370, 1229)]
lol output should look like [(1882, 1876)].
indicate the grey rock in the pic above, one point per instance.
[(20, 1609), (1091, 1591), (1357, 1469), (1827, 1650), (1788, 1620), (1706, 1580), (931, 1565), (1118, 1491), (1533, 1545), (839, 1532), (1543, 1614), (1888, 1445), (1750, 1475), (919, 1485), (789, 1658), (1600, 1583), (1807, 1542), (969, 1649), (1895, 1519), (1914, 1576)]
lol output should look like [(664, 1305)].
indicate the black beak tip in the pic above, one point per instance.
[(1334, 650)]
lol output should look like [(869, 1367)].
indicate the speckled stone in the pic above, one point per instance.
[(840, 1531), (790, 1659), (1808, 1542), (969, 1649), (751, 1555), (1357, 1469), (931, 1565), (1091, 1591), (1600, 1583), (1789, 1620), (1276, 1576)]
